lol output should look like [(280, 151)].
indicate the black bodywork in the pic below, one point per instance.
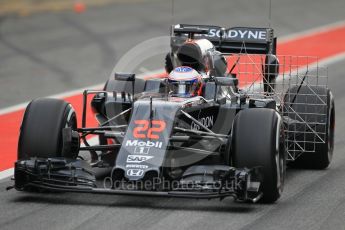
[(147, 136)]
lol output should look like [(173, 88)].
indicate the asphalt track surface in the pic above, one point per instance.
[(46, 54)]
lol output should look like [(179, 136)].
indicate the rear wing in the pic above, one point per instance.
[(248, 40)]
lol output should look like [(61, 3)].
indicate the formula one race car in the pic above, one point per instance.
[(225, 121)]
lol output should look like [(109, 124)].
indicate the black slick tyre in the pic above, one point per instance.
[(41, 129), (313, 104), (258, 141)]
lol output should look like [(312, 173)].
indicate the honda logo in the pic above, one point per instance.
[(135, 172)]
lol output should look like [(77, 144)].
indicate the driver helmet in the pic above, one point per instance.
[(184, 81)]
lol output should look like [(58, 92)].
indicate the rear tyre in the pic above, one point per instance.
[(41, 129), (320, 155), (258, 140)]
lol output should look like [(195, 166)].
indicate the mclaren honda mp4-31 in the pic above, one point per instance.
[(227, 119)]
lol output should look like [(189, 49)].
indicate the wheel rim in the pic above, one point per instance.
[(280, 160), (330, 136), (71, 120)]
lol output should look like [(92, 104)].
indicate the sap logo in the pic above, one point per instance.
[(137, 158), (206, 121), (240, 34), (137, 166), (135, 172), (135, 143)]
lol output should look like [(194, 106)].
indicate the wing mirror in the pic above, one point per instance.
[(125, 76), (226, 81)]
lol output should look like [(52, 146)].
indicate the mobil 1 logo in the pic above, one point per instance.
[(141, 150)]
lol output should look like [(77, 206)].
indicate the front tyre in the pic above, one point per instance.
[(41, 129), (258, 140)]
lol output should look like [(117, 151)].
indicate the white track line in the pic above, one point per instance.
[(311, 32), (22, 106), (6, 173), (332, 60), (70, 93)]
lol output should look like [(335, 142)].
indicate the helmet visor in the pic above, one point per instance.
[(182, 89)]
